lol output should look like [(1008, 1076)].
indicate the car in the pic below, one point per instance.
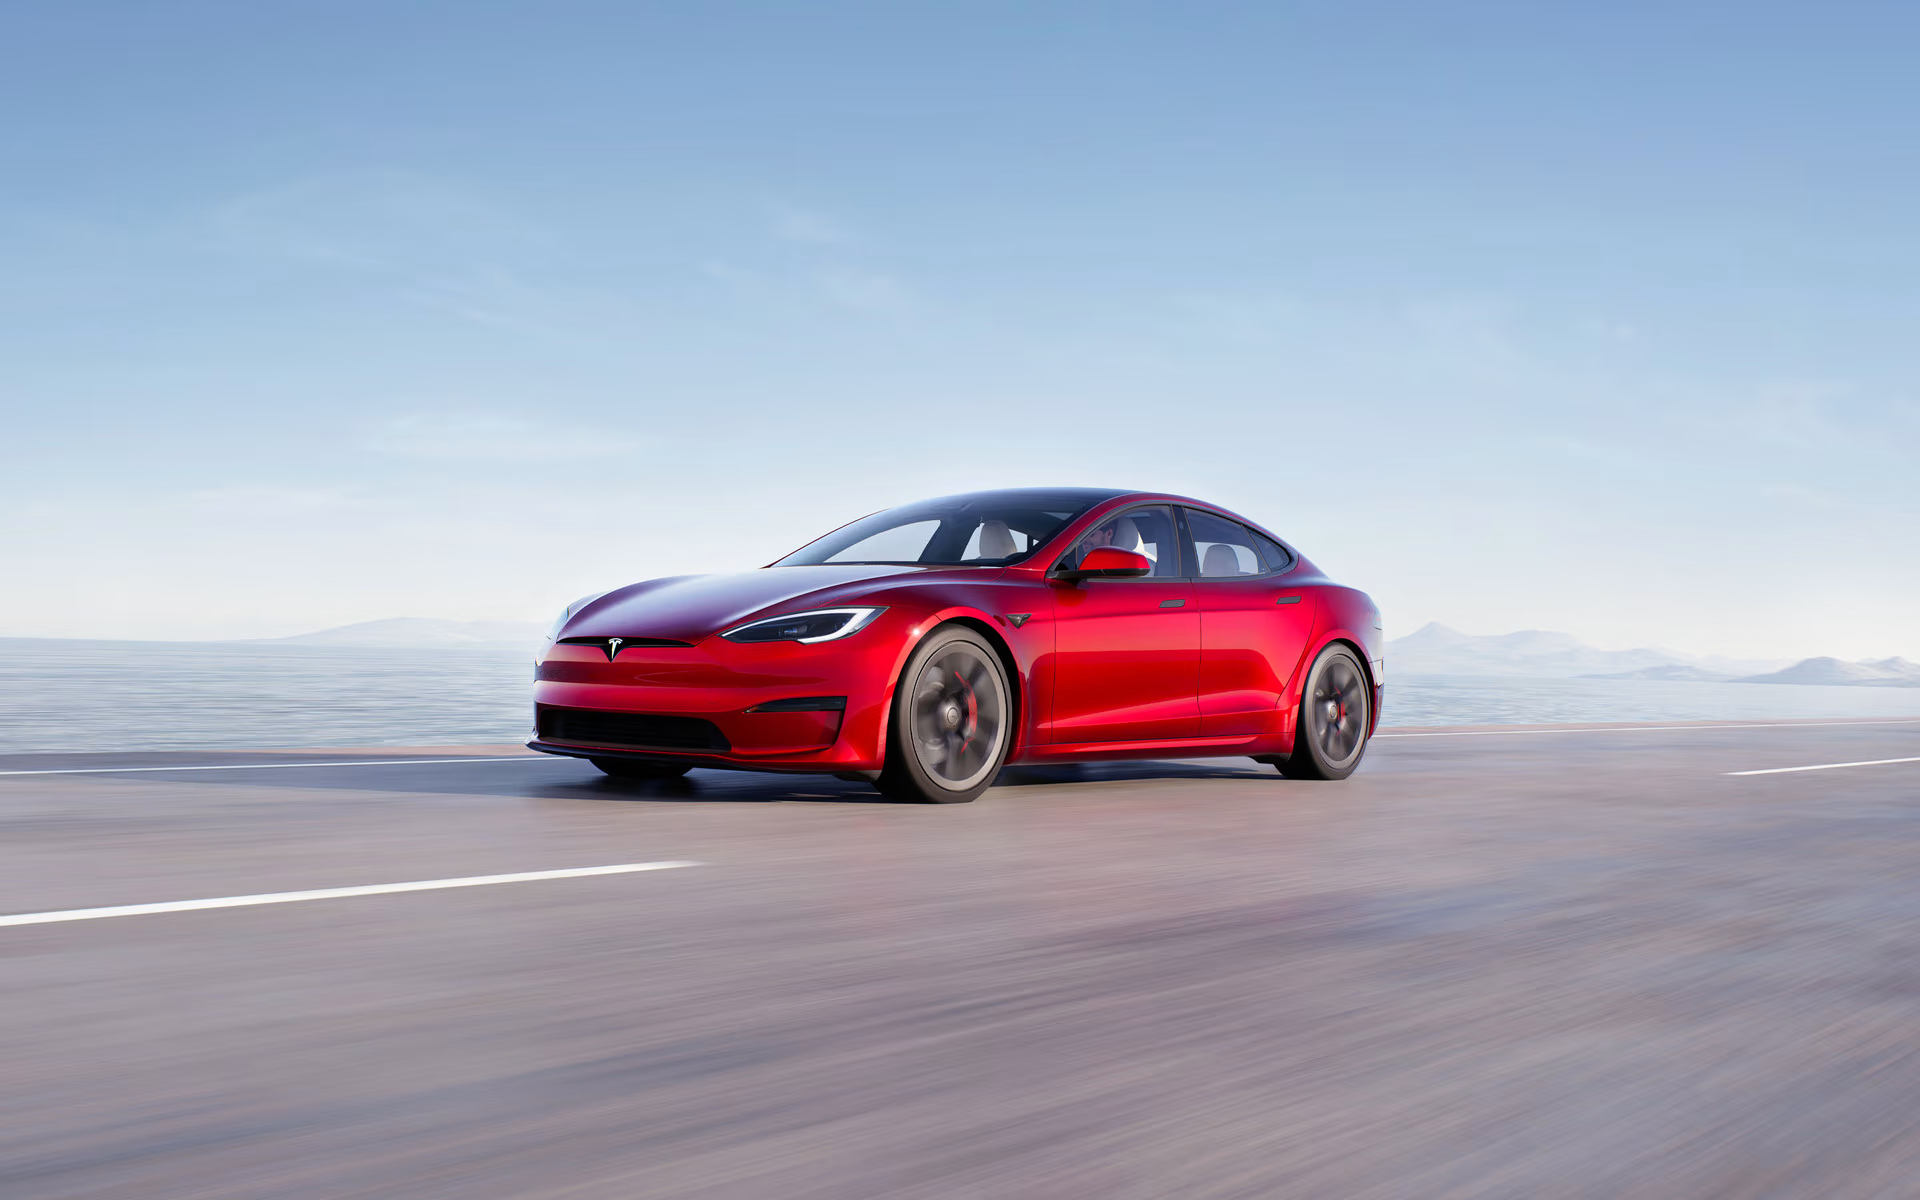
[(924, 647)]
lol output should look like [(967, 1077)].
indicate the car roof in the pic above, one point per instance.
[(1126, 498), (1099, 500), (1091, 495)]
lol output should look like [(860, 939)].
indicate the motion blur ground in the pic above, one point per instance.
[(1515, 964)]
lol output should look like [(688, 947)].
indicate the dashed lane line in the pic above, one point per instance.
[(339, 893), (1639, 729), (1871, 762), (371, 762)]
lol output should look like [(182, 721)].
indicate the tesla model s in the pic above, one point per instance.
[(926, 646)]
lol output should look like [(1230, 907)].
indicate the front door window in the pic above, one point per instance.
[(1149, 531)]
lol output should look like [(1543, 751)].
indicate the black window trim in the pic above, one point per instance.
[(1190, 554), (1293, 559)]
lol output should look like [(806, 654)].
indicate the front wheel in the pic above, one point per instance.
[(1330, 734), (952, 721)]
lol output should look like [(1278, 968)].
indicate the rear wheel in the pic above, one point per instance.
[(952, 721), (1330, 736), (635, 768)]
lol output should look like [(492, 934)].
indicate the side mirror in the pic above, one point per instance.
[(1104, 562)]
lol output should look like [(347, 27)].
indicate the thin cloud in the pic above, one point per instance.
[(841, 286), (493, 437), (852, 287), (434, 244), (1471, 338), (394, 222), (1801, 496), (799, 225), (276, 500), (1609, 330), (740, 281), (502, 299), (1251, 319)]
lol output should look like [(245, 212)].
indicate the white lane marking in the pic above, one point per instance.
[(1641, 729), (1871, 762), (371, 762), (373, 889)]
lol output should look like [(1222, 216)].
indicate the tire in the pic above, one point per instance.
[(636, 768), (1336, 708), (952, 721)]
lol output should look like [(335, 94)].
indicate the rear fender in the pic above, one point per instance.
[(1347, 617)]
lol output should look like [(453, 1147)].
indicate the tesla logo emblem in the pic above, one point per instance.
[(1018, 619), (613, 647)]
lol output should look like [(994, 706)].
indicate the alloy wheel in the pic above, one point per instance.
[(958, 717), (1337, 712)]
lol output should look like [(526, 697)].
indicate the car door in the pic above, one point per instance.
[(1126, 651), (1254, 628)]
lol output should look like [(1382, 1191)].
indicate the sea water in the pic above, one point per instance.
[(103, 696)]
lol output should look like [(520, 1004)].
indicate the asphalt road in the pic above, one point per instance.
[(1562, 964)]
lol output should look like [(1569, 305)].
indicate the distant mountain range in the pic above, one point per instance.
[(1885, 672), (1683, 672), (1438, 650), (421, 631)]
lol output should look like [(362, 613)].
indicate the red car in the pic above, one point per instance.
[(924, 647)]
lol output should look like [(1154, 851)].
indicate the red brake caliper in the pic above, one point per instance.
[(973, 710)]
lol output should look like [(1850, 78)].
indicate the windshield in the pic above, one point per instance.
[(981, 529)]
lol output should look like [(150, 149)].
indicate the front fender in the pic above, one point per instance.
[(1023, 648)]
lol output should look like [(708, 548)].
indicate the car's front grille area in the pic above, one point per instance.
[(644, 731)]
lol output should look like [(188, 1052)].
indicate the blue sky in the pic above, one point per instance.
[(1601, 320)]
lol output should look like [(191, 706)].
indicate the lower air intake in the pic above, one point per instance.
[(641, 731)]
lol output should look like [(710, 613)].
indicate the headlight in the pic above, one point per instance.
[(566, 614), (819, 625)]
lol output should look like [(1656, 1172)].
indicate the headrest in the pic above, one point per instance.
[(1219, 560), (1126, 535), (996, 540)]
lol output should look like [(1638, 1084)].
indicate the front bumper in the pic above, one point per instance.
[(648, 701)]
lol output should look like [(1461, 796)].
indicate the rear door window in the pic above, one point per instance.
[(1278, 557), (1222, 549)]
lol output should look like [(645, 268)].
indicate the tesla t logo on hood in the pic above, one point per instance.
[(611, 646)]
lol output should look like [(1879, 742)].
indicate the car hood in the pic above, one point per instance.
[(688, 608)]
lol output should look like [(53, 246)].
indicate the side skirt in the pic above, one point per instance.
[(1248, 745)]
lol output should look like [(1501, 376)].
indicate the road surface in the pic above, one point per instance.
[(1556, 963)]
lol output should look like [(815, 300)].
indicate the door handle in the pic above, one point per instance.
[(1173, 604), (1288, 600)]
